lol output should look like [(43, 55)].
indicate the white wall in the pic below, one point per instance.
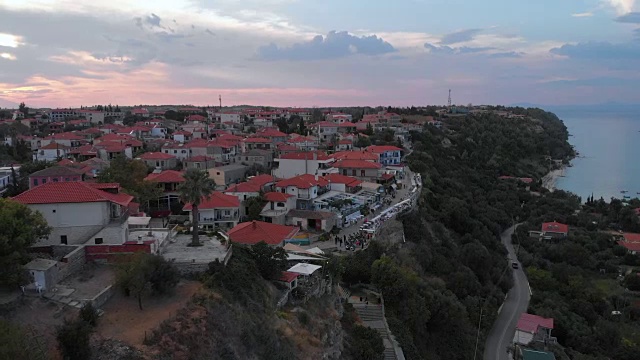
[(289, 168), (74, 214), (521, 337)]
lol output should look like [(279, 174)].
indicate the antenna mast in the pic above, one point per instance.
[(220, 98), (449, 102)]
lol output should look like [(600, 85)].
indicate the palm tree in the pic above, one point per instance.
[(197, 185)]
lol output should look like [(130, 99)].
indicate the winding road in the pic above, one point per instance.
[(517, 301)]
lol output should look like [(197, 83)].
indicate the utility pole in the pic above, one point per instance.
[(475, 353), (220, 99)]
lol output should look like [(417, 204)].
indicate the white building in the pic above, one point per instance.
[(217, 210), (298, 163), (78, 212)]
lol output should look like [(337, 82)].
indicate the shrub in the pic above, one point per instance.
[(89, 314), (73, 339)]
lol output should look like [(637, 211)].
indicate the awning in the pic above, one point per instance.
[(296, 257), (316, 250), (304, 269)]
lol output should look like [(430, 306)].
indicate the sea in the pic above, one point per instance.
[(608, 143)]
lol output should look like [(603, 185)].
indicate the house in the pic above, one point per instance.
[(44, 273), (78, 211), (632, 248), (199, 162), (532, 328), (277, 206), (329, 131), (362, 169), (305, 188), (298, 163), (320, 221), (344, 145), (159, 160), (267, 182), (554, 230), (274, 135), (6, 177), (244, 191), (339, 118), (55, 174), (217, 210), (228, 174), (252, 143), (343, 183), (51, 152), (387, 155), (251, 233), (182, 136), (168, 181), (288, 279), (303, 143), (261, 158), (530, 354)]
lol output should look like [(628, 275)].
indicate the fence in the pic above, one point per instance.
[(111, 252)]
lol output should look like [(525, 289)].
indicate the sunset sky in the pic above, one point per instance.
[(60, 53)]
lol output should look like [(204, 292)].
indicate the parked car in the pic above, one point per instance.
[(515, 265)]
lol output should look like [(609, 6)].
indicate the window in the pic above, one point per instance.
[(227, 212), (353, 172), (280, 204), (44, 181), (55, 179), (176, 151), (63, 239), (217, 172), (362, 173), (35, 182), (99, 241), (66, 179)]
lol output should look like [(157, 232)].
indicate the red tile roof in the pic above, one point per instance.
[(69, 192), (270, 132), (387, 176), (379, 149), (216, 200), (195, 118), (275, 196), (156, 156), (263, 179), (356, 164), (631, 246), (530, 323), (253, 232), (53, 146), (555, 227), (631, 237), (287, 276), (354, 155), (64, 136), (306, 155), (166, 176), (342, 179), (304, 181), (257, 140), (244, 187)]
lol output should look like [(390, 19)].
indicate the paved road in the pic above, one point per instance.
[(516, 303)]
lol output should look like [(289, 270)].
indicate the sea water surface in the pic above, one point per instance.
[(608, 143)]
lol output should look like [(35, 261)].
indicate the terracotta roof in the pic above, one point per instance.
[(270, 132), (56, 171), (253, 232), (631, 246), (102, 186), (356, 164), (379, 149), (307, 155), (64, 136), (555, 227), (263, 179), (195, 118), (304, 181), (342, 179), (275, 196), (166, 176), (156, 156), (287, 276), (53, 146), (69, 192), (66, 162), (386, 176), (244, 187), (257, 140), (631, 237), (354, 155), (216, 200), (287, 147), (530, 323)]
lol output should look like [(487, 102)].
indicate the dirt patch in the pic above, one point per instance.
[(123, 320)]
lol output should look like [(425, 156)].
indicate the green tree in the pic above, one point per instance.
[(126, 172), (142, 273), (255, 204), (23, 109), (365, 343), (73, 339), (145, 192), (271, 261), (21, 228), (197, 185)]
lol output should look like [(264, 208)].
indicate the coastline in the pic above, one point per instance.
[(549, 181)]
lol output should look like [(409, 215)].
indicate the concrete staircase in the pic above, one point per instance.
[(372, 316)]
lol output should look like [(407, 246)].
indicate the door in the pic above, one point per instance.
[(38, 278)]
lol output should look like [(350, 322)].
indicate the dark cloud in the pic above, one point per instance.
[(600, 51), (334, 45), (434, 49), (631, 18), (459, 36), (508, 54)]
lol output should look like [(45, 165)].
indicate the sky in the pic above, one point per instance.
[(68, 53)]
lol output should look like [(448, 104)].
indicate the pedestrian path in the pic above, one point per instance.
[(372, 315)]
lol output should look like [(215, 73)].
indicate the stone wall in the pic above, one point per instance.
[(72, 263), (188, 269), (60, 251), (103, 296)]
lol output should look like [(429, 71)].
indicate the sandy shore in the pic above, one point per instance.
[(549, 181)]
